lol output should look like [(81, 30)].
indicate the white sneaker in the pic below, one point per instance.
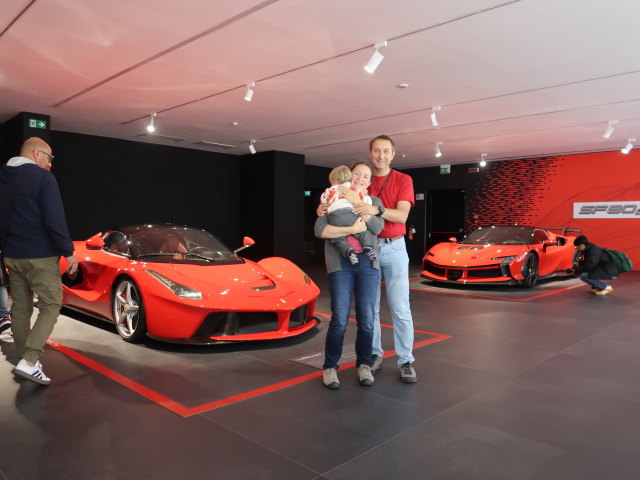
[(365, 377), (35, 373), (330, 378)]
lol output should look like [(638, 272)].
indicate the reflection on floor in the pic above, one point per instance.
[(513, 384)]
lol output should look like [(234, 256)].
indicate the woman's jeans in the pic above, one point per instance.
[(361, 280)]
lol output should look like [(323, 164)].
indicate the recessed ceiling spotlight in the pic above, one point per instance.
[(252, 149), (483, 161), (235, 124), (402, 85)]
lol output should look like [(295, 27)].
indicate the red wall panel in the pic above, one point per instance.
[(542, 191)]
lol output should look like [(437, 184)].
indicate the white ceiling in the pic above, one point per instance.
[(517, 78)]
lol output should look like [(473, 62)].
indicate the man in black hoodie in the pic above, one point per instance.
[(596, 265), (35, 236)]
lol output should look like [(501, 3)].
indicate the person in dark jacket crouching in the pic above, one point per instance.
[(596, 265)]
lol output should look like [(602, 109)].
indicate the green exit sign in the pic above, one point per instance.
[(33, 123), (445, 169)]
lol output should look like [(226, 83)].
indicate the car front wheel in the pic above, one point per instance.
[(530, 271), (128, 311)]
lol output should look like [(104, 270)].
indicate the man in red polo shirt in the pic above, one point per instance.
[(395, 190)]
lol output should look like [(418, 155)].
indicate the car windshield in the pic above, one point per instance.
[(170, 244), (512, 235)]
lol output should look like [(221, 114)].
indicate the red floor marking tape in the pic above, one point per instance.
[(183, 411), (495, 297)]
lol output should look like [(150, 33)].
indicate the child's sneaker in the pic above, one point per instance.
[(371, 253), (351, 255)]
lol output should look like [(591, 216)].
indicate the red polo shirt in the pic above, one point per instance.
[(398, 188)]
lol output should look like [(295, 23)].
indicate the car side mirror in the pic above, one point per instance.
[(453, 239), (247, 242), (95, 243), (546, 245)]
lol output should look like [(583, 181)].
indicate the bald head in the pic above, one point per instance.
[(38, 150)]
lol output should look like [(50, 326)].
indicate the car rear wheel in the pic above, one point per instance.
[(530, 271), (128, 311)]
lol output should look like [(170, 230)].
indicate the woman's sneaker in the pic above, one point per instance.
[(330, 378), (365, 377), (35, 373)]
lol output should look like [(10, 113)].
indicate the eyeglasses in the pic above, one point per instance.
[(47, 154)]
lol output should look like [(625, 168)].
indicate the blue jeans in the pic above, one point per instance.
[(4, 301), (394, 263), (363, 281), (597, 284)]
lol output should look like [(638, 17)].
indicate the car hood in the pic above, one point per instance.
[(246, 279), (470, 255)]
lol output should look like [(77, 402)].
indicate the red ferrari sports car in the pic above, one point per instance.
[(501, 255), (183, 285)]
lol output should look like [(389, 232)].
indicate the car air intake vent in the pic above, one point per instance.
[(464, 247)]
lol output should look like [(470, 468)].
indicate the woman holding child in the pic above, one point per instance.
[(348, 278)]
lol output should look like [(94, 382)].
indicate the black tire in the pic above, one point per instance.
[(128, 311), (530, 271)]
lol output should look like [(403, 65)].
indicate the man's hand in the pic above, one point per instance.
[(73, 264), (322, 209), (365, 209)]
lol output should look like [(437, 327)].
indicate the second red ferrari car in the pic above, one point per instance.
[(501, 255)]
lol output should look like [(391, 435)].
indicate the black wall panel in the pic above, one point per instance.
[(106, 183)]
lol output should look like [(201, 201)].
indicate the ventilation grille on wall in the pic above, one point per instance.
[(161, 137), (215, 145)]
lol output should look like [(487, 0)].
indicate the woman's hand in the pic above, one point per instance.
[(349, 194)]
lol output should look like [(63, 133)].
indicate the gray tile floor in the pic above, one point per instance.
[(525, 388)]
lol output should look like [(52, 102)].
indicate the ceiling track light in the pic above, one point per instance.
[(438, 153), (434, 120), (483, 161), (249, 93), (376, 58), (151, 127), (252, 149), (629, 146), (610, 129)]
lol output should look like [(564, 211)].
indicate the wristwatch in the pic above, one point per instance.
[(381, 208)]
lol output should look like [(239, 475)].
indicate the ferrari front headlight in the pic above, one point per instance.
[(177, 288), (505, 260)]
